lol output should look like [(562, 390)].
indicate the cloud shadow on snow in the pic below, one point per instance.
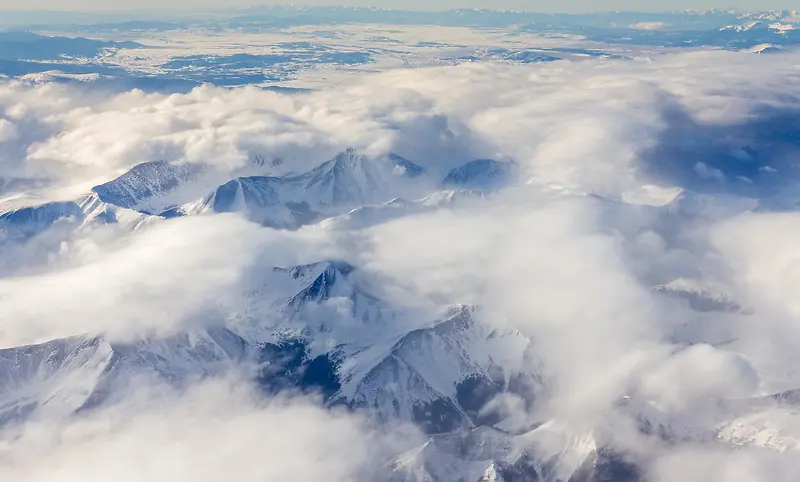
[(752, 157)]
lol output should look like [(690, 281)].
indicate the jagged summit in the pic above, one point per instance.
[(341, 287), (323, 281)]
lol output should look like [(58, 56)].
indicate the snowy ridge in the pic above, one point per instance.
[(59, 76), (486, 454), (63, 376), (349, 180), (432, 375), (350, 189), (95, 211), (259, 198), (56, 377), (367, 216), (424, 375), (153, 187), (24, 222)]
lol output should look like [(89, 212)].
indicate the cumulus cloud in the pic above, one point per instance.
[(587, 132), (545, 268), (75, 143), (701, 463), (174, 276), (698, 374)]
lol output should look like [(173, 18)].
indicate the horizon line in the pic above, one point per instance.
[(384, 9)]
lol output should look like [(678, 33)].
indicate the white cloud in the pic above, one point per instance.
[(648, 25), (698, 374), (8, 130), (172, 276), (214, 431), (696, 464)]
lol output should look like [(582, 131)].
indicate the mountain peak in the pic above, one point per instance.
[(349, 157), (234, 195), (322, 281), (352, 179)]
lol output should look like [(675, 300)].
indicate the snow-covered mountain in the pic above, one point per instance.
[(482, 174), (153, 187), (349, 189), (440, 377), (337, 329), (96, 211), (351, 179), (544, 453), (23, 218), (262, 199), (752, 25), (63, 376), (331, 332)]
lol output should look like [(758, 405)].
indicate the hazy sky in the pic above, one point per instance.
[(533, 5)]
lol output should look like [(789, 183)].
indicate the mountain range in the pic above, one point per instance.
[(159, 190), (333, 329)]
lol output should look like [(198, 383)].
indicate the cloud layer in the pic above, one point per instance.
[(214, 431), (636, 175)]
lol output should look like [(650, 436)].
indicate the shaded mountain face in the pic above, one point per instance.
[(68, 375), (482, 174), (438, 374), (441, 377), (150, 187), (261, 199), (24, 222)]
